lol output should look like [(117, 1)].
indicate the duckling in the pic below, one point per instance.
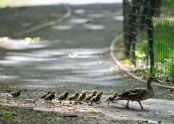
[(16, 94), (51, 96), (139, 94), (74, 97), (96, 99), (63, 96), (82, 97), (111, 98), (43, 97), (94, 93)]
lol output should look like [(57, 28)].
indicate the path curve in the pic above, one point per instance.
[(50, 23)]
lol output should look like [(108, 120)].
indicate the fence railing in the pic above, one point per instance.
[(149, 36)]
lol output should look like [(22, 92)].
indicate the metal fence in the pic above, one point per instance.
[(149, 36)]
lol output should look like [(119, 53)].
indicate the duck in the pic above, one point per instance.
[(96, 99), (74, 97), (50, 96), (138, 94), (94, 93), (63, 96), (43, 97), (111, 98), (16, 93), (82, 97)]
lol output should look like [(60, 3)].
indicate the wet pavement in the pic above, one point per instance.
[(75, 58)]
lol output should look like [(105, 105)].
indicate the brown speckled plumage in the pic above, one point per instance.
[(43, 97), (96, 99), (111, 98), (16, 94), (74, 97), (94, 93), (82, 97), (63, 96), (138, 94), (51, 96)]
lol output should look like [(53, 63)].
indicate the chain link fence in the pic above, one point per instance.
[(149, 36)]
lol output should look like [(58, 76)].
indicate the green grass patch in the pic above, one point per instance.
[(8, 116), (101, 62), (163, 46), (116, 35), (168, 4)]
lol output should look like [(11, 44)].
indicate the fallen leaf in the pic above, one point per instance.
[(73, 55), (101, 62)]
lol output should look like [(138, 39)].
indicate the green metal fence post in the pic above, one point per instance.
[(150, 36)]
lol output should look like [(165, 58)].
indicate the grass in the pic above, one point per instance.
[(34, 40), (163, 44), (168, 4), (7, 116), (163, 40)]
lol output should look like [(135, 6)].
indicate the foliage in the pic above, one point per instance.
[(163, 46), (8, 115), (142, 51), (33, 40), (116, 35), (172, 73), (168, 4), (101, 62), (163, 40), (89, 21), (75, 55)]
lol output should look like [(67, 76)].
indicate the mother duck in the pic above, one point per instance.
[(138, 94)]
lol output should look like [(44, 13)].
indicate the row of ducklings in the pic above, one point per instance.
[(92, 98)]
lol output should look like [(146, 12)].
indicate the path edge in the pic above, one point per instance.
[(53, 22)]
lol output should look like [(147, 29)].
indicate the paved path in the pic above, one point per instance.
[(76, 58)]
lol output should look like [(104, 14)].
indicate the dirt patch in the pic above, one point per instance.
[(40, 111)]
